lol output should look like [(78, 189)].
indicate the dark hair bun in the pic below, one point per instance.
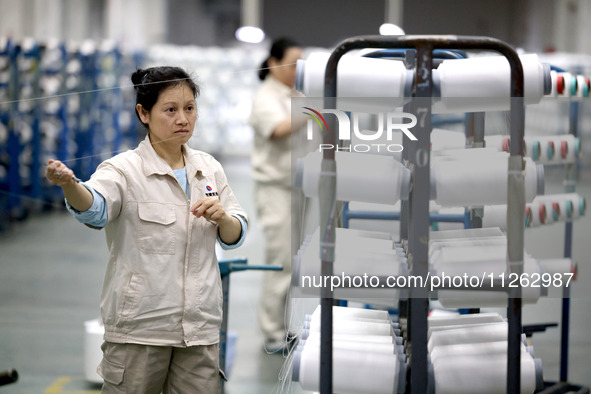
[(138, 75)]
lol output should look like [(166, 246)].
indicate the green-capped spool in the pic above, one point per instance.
[(585, 90), (536, 150), (569, 209), (573, 85), (435, 226), (582, 206), (577, 146)]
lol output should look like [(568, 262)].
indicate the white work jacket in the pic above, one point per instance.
[(162, 284)]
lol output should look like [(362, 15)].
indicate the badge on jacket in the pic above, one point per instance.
[(210, 192)]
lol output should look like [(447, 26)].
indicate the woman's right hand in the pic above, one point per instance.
[(59, 174)]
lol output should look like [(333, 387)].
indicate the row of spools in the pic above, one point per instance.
[(475, 84), (467, 354), (62, 102)]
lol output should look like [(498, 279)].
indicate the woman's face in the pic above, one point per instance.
[(172, 119), (285, 69)]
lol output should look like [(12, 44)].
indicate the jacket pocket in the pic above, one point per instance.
[(156, 227), (130, 297)]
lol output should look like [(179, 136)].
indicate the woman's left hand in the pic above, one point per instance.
[(211, 209)]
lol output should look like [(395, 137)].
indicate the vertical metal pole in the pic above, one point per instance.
[(418, 227), (515, 240), (224, 327), (569, 182), (410, 60), (327, 205), (565, 314)]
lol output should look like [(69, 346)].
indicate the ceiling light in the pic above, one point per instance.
[(390, 29), (250, 34)]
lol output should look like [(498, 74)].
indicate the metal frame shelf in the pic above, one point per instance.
[(417, 158)]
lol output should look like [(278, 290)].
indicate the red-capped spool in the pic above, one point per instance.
[(560, 84), (563, 149), (588, 83), (542, 213), (528, 216), (550, 150), (506, 144), (555, 211)]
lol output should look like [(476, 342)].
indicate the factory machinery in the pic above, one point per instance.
[(493, 187)]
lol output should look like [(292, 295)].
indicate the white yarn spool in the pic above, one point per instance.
[(465, 233), (354, 313), (360, 177), (455, 327), (354, 263), (466, 153), (379, 84), (455, 263), (353, 371), (480, 182), (351, 248), (379, 339), (497, 142), (436, 245), (440, 353), (456, 255), (357, 327), (495, 216), (484, 299), (442, 139), (477, 333), (314, 322), (360, 346), (471, 318), (354, 268), (487, 375), (559, 266), (483, 83)]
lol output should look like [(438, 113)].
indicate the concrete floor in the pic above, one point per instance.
[(51, 271)]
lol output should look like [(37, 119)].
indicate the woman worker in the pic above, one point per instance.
[(271, 161), (163, 205)]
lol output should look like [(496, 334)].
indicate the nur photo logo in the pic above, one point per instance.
[(387, 123)]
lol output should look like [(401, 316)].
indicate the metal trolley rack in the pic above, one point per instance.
[(416, 232)]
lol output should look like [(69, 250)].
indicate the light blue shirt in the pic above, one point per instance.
[(96, 215)]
